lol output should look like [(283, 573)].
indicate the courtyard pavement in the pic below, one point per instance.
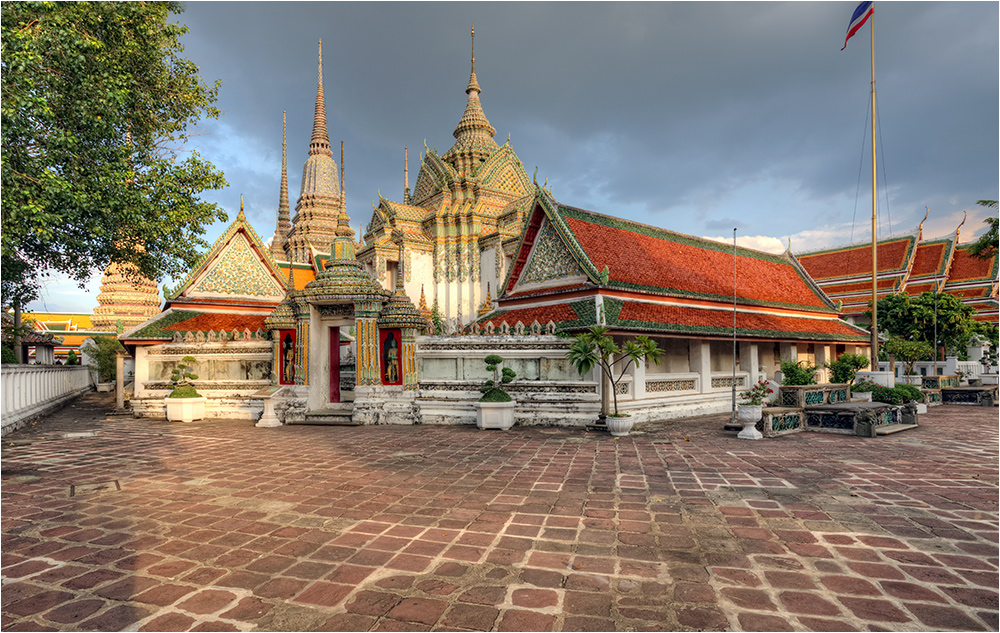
[(113, 523)]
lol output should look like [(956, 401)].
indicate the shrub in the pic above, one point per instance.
[(72, 358), (845, 367), (7, 355), (797, 373), (863, 386), (104, 350), (910, 393)]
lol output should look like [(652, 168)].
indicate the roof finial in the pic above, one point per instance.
[(241, 216), (406, 176), (966, 217), (920, 229), (473, 48)]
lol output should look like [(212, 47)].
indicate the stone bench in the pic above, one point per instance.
[(802, 396)]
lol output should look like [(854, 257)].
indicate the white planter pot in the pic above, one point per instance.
[(921, 408), (863, 396), (105, 386), (494, 415), (749, 415), (185, 409), (989, 379), (619, 426)]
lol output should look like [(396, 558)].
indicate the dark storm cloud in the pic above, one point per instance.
[(672, 113)]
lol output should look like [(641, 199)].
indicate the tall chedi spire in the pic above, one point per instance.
[(320, 201), (280, 238), (126, 298), (474, 134)]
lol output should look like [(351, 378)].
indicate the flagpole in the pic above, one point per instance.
[(874, 341)]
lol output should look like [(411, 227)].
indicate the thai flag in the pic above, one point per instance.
[(861, 15)]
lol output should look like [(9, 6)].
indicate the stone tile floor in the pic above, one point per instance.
[(112, 523)]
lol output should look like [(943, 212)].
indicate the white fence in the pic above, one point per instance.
[(29, 391)]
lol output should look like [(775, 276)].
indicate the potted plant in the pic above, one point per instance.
[(596, 348), (862, 390), (751, 409), (495, 409), (184, 404)]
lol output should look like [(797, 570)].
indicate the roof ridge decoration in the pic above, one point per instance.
[(240, 224), (909, 235)]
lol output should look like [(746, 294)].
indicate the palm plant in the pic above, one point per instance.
[(596, 348)]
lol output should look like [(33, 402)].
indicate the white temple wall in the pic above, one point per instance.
[(229, 372)]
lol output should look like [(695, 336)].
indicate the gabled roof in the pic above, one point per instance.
[(856, 260), (236, 268), (931, 259), (563, 242), (966, 268), (163, 326)]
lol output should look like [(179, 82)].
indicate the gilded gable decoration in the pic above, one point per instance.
[(550, 259)]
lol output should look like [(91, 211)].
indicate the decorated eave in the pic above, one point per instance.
[(236, 271), (30, 337), (196, 326)]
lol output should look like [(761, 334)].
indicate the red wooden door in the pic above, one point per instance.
[(335, 364)]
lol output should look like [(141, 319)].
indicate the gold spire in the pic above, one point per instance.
[(487, 303), (320, 143), (920, 230), (406, 176)]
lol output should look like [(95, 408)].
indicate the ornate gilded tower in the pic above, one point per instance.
[(320, 199), (126, 299), (280, 239)]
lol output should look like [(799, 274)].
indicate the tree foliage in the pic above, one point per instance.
[(988, 243), (908, 352), (596, 348), (845, 367), (913, 318), (95, 106)]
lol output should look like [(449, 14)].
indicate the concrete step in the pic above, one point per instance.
[(889, 429), (335, 415)]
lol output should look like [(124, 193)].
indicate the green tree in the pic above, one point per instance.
[(908, 352), (913, 318), (988, 243), (95, 108), (596, 348)]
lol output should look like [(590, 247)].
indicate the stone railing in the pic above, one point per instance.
[(30, 391)]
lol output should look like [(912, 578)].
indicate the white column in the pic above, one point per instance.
[(638, 372), (822, 356), (701, 363), (749, 361)]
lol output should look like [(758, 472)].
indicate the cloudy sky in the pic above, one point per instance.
[(699, 117)]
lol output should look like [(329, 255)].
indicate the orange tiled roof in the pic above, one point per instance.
[(929, 259), (859, 286), (648, 259), (216, 321), (964, 267), (553, 289), (857, 260)]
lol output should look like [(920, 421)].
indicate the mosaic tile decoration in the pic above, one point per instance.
[(239, 271), (550, 259)]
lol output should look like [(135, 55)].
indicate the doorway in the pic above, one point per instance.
[(335, 364)]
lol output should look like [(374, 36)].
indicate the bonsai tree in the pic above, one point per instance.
[(104, 351), (797, 373), (181, 378), (845, 367), (596, 348), (908, 352), (491, 389), (72, 358)]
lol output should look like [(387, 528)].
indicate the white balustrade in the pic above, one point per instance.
[(30, 390)]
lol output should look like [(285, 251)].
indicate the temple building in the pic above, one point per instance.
[(909, 264), (459, 226), (576, 269), (126, 299)]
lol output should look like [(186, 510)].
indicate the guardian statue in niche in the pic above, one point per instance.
[(390, 359), (288, 358)]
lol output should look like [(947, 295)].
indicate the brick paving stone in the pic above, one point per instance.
[(169, 622), (761, 622), (215, 625), (521, 620), (348, 622), (871, 609), (941, 617), (748, 598), (73, 612), (117, 618), (807, 603)]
